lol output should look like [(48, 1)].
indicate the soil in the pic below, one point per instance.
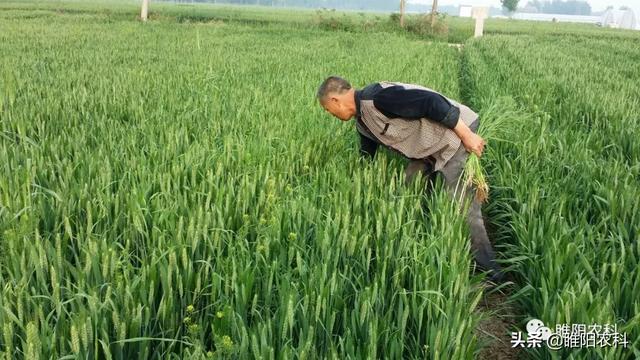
[(495, 328), (500, 316)]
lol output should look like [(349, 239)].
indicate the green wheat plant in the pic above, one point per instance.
[(498, 119)]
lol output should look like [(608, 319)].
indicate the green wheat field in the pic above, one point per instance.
[(172, 189)]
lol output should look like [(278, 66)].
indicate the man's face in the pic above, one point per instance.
[(336, 106)]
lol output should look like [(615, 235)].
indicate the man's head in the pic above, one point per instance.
[(337, 97)]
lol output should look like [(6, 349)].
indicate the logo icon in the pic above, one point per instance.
[(537, 329)]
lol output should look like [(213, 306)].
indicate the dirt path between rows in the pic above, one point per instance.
[(499, 317)]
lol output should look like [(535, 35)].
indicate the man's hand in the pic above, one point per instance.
[(474, 143), (471, 141)]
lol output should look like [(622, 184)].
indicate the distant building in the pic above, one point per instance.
[(465, 11), (621, 19), (557, 17), (529, 9)]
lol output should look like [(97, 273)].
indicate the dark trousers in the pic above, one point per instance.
[(452, 173)]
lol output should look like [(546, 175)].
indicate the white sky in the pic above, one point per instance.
[(596, 5)]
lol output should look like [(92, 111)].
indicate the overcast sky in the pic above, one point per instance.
[(596, 5)]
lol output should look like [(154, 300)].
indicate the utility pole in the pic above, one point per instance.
[(402, 4), (434, 9), (145, 10)]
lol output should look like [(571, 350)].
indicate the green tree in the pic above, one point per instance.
[(510, 5)]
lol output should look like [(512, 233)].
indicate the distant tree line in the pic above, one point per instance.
[(569, 7), (363, 5), (379, 5)]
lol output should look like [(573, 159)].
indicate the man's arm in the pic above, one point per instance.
[(368, 147), (396, 101)]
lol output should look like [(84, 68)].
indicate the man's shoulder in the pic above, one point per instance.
[(394, 87), (369, 91), (405, 86)]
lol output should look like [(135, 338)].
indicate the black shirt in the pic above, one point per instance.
[(396, 101)]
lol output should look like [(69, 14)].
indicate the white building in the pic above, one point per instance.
[(621, 19), (465, 11), (558, 17)]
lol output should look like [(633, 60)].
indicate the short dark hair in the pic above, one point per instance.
[(333, 84)]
